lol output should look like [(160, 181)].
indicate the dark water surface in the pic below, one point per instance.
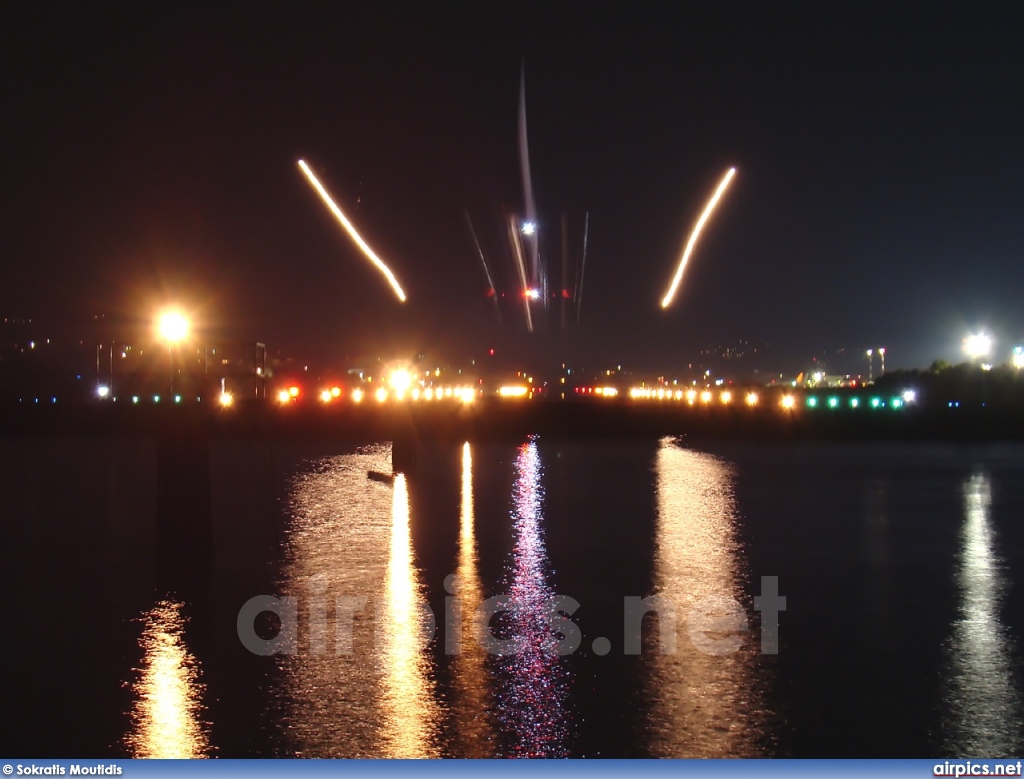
[(901, 566)]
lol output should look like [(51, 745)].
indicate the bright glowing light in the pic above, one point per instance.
[(226, 399), (325, 396), (103, 391), (335, 392), (532, 294), (172, 326), (283, 396), (725, 397), (751, 398), (909, 396), (693, 237), (691, 396), (529, 228), (357, 395), (293, 392), (876, 402), (415, 393), (812, 402), (468, 395), (978, 345), (352, 231), (1018, 357), (854, 402), (400, 380), (428, 393), (381, 394), (833, 402), (788, 402), (705, 396), (513, 391)]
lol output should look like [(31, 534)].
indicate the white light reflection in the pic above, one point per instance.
[(367, 693), (472, 702), (984, 702), (533, 683), (705, 705), (166, 712)]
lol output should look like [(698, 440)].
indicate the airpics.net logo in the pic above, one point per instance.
[(504, 625)]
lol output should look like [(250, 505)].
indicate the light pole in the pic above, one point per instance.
[(871, 366), (881, 354), (172, 326)]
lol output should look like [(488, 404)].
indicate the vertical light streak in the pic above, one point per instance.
[(704, 704), (517, 254), (472, 704), (534, 686), (351, 230), (524, 163), (166, 713), (694, 235), (984, 702), (410, 711), (583, 267)]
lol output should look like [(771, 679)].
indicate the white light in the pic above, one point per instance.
[(103, 391), (1018, 357), (529, 228), (978, 344), (532, 294), (909, 396)]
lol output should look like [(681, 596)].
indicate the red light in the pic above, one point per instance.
[(492, 352)]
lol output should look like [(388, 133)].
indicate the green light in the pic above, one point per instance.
[(854, 402), (833, 402), (896, 403), (876, 402), (812, 402)]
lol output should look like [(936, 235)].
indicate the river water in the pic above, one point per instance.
[(489, 603)]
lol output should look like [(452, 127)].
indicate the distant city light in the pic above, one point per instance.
[(103, 391), (978, 345), (513, 391)]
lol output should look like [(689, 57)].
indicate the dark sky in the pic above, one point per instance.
[(149, 152)]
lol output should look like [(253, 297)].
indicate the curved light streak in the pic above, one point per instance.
[(667, 300), (351, 230)]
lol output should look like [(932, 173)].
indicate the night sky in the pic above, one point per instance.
[(149, 153)]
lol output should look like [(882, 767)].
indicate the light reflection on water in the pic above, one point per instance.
[(472, 700), (983, 699), (533, 682), (703, 705), (166, 712), (350, 540)]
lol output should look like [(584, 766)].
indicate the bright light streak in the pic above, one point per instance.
[(352, 231), (694, 235), (172, 326), (513, 391), (226, 399)]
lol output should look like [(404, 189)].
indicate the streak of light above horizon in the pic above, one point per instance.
[(667, 300), (351, 230)]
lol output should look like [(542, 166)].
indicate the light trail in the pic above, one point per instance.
[(583, 268), (492, 290), (351, 230), (667, 300)]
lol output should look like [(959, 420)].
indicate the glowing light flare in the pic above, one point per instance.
[(335, 392), (400, 380), (325, 396), (978, 345), (1018, 357), (667, 300), (226, 399), (751, 399), (351, 230), (172, 326), (788, 402), (725, 397), (283, 396), (357, 396), (513, 391), (103, 391), (705, 397), (381, 394)]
